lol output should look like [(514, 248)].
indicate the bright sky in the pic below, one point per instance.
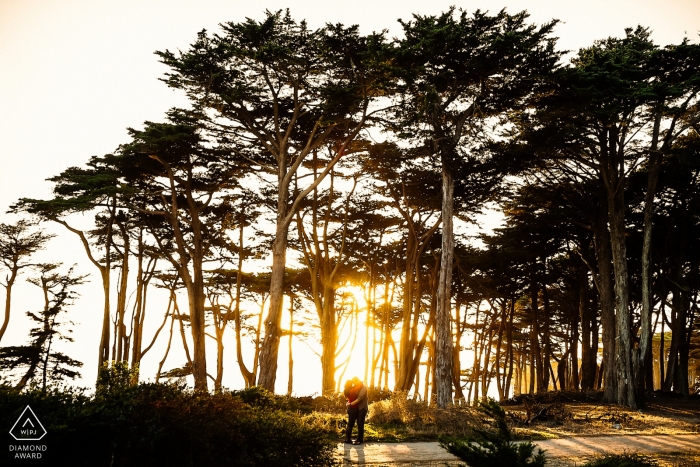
[(75, 73)]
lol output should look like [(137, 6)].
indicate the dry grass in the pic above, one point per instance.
[(662, 416), (397, 418), (401, 419), (663, 460)]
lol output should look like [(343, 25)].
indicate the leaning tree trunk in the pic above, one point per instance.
[(8, 299), (443, 331), (271, 341), (103, 353)]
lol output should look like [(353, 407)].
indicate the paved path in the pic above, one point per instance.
[(426, 453)]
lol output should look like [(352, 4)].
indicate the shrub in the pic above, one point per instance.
[(116, 376), (164, 424), (264, 399), (622, 460), (493, 448)]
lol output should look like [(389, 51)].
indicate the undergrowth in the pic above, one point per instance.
[(166, 424), (493, 446)]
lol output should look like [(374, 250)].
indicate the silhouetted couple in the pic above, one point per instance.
[(356, 395)]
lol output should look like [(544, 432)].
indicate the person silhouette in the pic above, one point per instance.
[(356, 394)]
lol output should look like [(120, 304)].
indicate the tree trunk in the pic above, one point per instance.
[(271, 341), (139, 308), (588, 323), (546, 360), (167, 348), (443, 318), (103, 351), (654, 168), (329, 340), (682, 384), (121, 338), (511, 362), (248, 376), (290, 377), (456, 375), (625, 376), (604, 284), (143, 280), (486, 373), (219, 357), (535, 369), (194, 284), (258, 342), (8, 300), (573, 347), (476, 350)]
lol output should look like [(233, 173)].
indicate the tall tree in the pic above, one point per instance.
[(322, 227), (604, 105), (673, 109), (457, 73), (174, 177), (17, 244), (81, 190), (39, 359), (284, 90), (413, 192)]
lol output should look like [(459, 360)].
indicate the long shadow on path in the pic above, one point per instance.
[(426, 453)]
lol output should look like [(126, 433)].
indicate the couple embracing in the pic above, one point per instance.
[(356, 395)]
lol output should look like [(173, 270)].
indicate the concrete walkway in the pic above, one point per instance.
[(427, 453)]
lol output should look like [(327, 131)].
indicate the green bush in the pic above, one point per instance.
[(494, 448), (162, 424), (116, 376), (622, 460)]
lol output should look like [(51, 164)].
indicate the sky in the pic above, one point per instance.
[(74, 74)]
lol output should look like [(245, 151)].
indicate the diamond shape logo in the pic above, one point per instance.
[(28, 427)]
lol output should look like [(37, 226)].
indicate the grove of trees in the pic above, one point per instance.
[(360, 162)]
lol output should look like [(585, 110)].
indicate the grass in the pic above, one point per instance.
[(598, 420), (582, 414), (661, 460), (394, 417)]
